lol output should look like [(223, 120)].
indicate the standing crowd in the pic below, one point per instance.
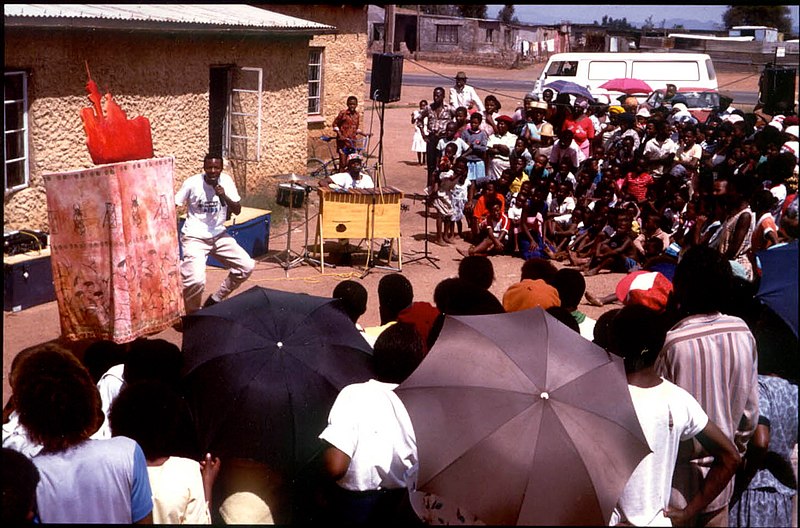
[(684, 207)]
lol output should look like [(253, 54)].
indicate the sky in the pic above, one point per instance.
[(635, 14)]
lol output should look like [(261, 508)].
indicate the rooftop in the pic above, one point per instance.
[(199, 17)]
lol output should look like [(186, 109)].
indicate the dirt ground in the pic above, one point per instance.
[(41, 323)]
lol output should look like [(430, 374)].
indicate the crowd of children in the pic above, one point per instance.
[(612, 187)]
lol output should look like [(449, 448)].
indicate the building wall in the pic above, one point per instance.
[(164, 78), (345, 60)]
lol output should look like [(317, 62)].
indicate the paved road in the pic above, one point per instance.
[(513, 87)]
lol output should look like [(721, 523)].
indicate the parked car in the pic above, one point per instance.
[(700, 101), (590, 70)]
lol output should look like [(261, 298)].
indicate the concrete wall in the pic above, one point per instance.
[(164, 78), (344, 61)]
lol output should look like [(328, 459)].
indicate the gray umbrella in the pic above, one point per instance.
[(520, 420)]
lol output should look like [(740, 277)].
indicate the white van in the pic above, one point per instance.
[(684, 70)]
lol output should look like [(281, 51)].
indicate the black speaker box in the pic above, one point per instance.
[(386, 78), (777, 89)]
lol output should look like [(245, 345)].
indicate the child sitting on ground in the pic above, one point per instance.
[(494, 232), (617, 253), (481, 207)]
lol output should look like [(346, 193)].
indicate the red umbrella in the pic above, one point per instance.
[(520, 420), (627, 85)]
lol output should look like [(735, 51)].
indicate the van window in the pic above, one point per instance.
[(666, 70), (563, 69), (712, 74), (605, 70)]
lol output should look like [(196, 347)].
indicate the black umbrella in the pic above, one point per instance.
[(262, 370)]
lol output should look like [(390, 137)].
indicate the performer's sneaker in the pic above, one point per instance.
[(210, 302)]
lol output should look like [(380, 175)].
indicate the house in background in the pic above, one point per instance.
[(465, 40), (249, 81)]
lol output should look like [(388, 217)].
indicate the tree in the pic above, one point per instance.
[(612, 23), (472, 10), (758, 15), (439, 9), (506, 14)]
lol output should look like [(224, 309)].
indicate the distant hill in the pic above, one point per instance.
[(707, 25), (669, 23)]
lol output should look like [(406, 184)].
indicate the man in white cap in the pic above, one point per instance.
[(465, 95), (353, 178)]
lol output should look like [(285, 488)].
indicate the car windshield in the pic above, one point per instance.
[(701, 99)]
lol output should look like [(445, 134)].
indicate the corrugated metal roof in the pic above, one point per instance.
[(217, 15)]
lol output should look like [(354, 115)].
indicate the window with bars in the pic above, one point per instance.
[(315, 81), (447, 34), (15, 127)]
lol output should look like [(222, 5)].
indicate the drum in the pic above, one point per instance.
[(291, 193)]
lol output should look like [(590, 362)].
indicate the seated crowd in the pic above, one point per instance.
[(613, 188)]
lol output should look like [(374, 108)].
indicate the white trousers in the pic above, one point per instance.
[(193, 268)]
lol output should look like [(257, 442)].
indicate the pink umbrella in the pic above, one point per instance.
[(627, 85)]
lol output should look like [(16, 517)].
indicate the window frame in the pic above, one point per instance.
[(238, 84), (447, 34), (319, 82), (24, 132)]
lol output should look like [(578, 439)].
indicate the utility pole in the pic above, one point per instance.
[(416, 44), (388, 26)]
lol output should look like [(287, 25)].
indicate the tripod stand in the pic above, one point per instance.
[(425, 255), (288, 258), (306, 257)]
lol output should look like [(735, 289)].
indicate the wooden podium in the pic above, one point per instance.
[(364, 214)]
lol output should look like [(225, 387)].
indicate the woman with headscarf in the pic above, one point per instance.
[(581, 126)]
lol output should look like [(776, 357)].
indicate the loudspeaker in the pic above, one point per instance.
[(386, 78), (777, 89)]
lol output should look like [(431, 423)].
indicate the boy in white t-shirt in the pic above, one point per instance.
[(668, 415), (210, 198), (370, 440)]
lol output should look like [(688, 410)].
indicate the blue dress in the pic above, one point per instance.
[(767, 501)]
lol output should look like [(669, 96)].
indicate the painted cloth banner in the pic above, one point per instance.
[(114, 249)]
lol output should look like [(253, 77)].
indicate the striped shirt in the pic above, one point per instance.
[(713, 357)]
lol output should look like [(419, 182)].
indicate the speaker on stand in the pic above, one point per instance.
[(385, 82), (777, 89)]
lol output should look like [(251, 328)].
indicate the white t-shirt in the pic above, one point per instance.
[(178, 494), (344, 180), (668, 415), (370, 424), (206, 213), (15, 437), (655, 149), (508, 139), (461, 145), (109, 386)]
